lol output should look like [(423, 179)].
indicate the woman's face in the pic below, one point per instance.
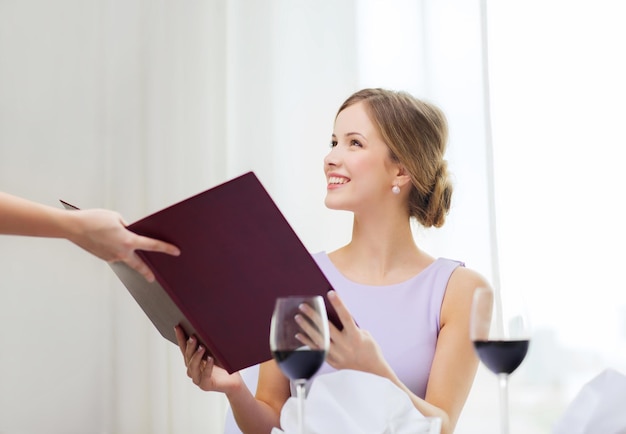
[(359, 170)]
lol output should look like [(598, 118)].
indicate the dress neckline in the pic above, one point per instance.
[(326, 258)]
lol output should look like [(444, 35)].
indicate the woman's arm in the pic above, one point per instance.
[(271, 394), (455, 362), (101, 232)]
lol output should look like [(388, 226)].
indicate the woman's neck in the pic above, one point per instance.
[(381, 252)]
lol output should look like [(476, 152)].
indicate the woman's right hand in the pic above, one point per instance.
[(253, 415), (203, 372)]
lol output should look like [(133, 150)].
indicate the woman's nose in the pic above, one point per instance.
[(331, 159)]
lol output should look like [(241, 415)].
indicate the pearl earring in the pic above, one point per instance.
[(395, 189)]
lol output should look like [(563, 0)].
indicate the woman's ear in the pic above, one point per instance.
[(402, 177)]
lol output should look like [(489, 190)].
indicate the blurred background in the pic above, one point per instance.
[(134, 105)]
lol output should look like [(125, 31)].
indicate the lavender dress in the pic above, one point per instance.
[(402, 318)]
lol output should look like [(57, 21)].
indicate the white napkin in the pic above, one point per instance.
[(347, 401), (600, 407)]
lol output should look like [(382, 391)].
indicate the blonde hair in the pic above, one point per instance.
[(416, 133)]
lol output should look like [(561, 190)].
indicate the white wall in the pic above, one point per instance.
[(133, 105)]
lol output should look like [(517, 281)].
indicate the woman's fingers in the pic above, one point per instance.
[(342, 311), (188, 345), (191, 349), (195, 365), (311, 324), (181, 337)]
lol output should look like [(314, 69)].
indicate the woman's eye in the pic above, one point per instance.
[(356, 143), (333, 143)]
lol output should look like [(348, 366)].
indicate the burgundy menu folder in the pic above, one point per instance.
[(238, 254)]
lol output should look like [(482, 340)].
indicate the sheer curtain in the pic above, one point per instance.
[(133, 105), (103, 104)]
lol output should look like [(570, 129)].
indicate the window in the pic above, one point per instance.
[(558, 104)]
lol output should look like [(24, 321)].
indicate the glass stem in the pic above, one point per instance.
[(300, 392), (503, 379)]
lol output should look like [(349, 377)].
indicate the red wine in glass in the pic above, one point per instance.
[(299, 363), (299, 341), (502, 357), (500, 332)]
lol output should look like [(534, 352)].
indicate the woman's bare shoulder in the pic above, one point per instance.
[(460, 289), (467, 278)]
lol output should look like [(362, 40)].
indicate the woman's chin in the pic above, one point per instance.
[(336, 205)]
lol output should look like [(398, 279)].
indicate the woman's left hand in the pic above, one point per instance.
[(353, 347)]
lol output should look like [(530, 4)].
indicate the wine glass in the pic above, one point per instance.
[(299, 341), (500, 331)]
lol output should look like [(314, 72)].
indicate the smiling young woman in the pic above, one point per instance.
[(386, 166)]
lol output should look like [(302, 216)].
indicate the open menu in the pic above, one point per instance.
[(238, 254)]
